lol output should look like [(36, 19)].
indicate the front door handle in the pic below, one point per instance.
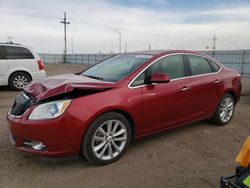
[(185, 88), (217, 81)]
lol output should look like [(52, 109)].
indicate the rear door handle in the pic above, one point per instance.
[(185, 88), (217, 81)]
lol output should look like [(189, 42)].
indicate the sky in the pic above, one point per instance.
[(94, 24)]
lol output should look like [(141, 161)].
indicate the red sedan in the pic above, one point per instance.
[(99, 111)]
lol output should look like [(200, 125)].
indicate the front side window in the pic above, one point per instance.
[(17, 53), (117, 67), (140, 80), (172, 65), (199, 65)]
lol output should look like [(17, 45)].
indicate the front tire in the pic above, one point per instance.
[(107, 138), (225, 110), (19, 80)]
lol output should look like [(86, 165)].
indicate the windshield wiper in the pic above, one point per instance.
[(95, 77)]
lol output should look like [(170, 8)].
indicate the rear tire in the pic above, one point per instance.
[(19, 80), (106, 139), (224, 111)]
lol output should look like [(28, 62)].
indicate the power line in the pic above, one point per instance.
[(30, 15), (108, 27)]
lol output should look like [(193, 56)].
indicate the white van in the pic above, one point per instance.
[(19, 65)]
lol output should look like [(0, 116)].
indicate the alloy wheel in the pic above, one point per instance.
[(109, 139), (226, 109)]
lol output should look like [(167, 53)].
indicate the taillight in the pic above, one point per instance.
[(40, 64)]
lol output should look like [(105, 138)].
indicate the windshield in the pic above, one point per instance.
[(117, 67)]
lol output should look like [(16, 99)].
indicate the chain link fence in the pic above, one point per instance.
[(86, 59), (236, 59)]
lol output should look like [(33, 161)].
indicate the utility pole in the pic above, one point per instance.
[(120, 40), (171, 44), (214, 46), (214, 39), (126, 47), (64, 21), (149, 47), (10, 39), (72, 45)]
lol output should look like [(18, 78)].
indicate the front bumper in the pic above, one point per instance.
[(61, 136)]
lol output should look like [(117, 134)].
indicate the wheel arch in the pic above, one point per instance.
[(129, 118), (117, 110), (20, 71), (126, 114), (231, 92)]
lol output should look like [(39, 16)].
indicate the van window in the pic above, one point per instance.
[(17, 53), (1, 53)]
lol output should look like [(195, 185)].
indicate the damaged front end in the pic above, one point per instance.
[(62, 87), (21, 104)]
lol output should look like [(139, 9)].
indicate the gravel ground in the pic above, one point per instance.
[(196, 155)]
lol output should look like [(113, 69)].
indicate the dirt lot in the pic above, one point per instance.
[(196, 155)]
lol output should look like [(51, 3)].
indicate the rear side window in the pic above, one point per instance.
[(215, 66), (172, 65), (18, 53), (199, 65)]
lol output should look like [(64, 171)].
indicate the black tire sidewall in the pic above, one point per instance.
[(87, 141), (13, 76)]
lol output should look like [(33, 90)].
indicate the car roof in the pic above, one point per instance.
[(159, 53), (164, 52), (34, 53), (12, 44), (9, 44)]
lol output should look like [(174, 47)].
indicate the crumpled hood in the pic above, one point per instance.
[(56, 85)]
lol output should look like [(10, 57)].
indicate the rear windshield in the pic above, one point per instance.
[(117, 67), (12, 52)]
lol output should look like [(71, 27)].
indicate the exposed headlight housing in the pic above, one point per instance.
[(49, 110)]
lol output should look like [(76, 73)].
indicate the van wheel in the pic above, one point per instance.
[(19, 80)]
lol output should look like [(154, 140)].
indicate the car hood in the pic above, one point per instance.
[(56, 85)]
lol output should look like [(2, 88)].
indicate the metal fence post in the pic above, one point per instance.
[(54, 58), (243, 62), (213, 54)]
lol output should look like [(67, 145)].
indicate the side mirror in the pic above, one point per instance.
[(159, 78)]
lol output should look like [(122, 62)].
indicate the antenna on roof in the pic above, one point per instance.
[(9, 37)]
